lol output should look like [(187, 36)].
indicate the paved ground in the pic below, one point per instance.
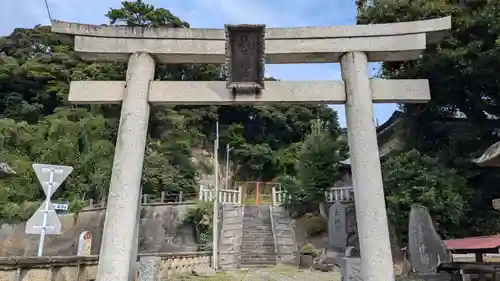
[(278, 273)]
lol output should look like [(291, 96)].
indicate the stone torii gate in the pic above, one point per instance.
[(242, 48)]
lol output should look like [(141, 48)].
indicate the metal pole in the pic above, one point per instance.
[(46, 213), (215, 227), (227, 165)]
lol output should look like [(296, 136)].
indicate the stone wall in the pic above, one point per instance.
[(161, 230), (230, 236), (284, 235), (74, 268)]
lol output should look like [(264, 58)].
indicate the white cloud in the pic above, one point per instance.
[(209, 14)]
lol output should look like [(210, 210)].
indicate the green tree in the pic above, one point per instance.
[(415, 178), (319, 161), (38, 125), (461, 120), (317, 168)]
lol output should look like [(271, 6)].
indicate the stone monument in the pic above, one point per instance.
[(491, 159), (352, 46), (426, 250), (84, 244), (337, 226)]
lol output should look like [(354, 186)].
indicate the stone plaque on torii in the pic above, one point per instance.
[(352, 46)]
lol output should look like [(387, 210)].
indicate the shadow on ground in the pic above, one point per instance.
[(278, 273)]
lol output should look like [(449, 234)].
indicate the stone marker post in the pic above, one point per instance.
[(84, 244), (352, 46), (337, 226)]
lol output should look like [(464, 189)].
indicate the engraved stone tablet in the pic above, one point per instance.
[(425, 249), (245, 62), (337, 226)]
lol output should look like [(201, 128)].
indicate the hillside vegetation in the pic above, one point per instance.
[(298, 145), (37, 124)]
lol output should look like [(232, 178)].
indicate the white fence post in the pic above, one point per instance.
[(344, 193), (225, 195), (275, 203)]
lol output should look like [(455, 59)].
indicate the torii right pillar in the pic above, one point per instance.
[(369, 199), (376, 256)]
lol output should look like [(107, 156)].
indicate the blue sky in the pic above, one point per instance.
[(211, 14)]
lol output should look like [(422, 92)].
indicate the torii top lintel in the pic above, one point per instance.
[(381, 42)]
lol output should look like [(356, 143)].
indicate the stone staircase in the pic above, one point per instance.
[(257, 242), (284, 235), (230, 236)]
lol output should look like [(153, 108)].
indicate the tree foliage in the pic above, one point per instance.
[(38, 125), (462, 118), (412, 177), (316, 167)]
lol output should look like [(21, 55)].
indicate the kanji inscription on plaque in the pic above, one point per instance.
[(245, 58)]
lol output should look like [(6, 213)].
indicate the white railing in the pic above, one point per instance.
[(342, 194), (229, 196), (278, 196)]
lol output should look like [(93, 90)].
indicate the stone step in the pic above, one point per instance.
[(258, 255), (257, 216), (259, 244), (260, 249), (257, 247), (257, 227), (257, 264), (256, 230), (257, 260), (257, 235), (254, 224), (254, 251), (257, 238), (257, 223), (254, 254), (263, 240), (247, 232)]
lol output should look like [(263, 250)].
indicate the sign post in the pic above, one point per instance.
[(45, 220)]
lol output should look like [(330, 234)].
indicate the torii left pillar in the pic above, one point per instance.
[(119, 244)]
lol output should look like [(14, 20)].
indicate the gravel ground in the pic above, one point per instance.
[(278, 273)]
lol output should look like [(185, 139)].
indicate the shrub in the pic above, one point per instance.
[(314, 224), (308, 249)]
